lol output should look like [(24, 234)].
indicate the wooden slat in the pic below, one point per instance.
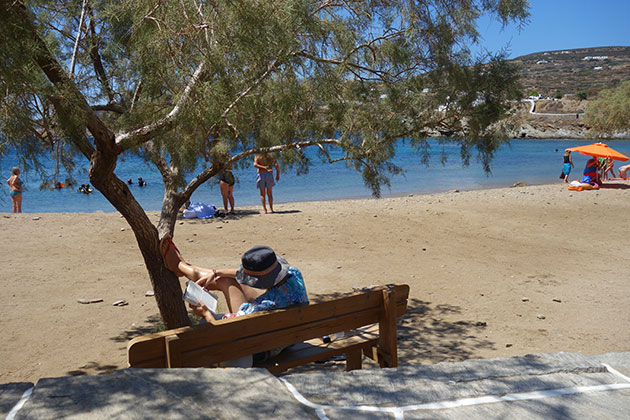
[(196, 355), (315, 350), (281, 320), (207, 345), (147, 352), (284, 318)]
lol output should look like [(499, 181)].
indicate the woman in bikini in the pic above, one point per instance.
[(226, 183), (15, 184)]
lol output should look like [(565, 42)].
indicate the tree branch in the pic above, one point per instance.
[(76, 42), (140, 135), (119, 109), (136, 93), (304, 54), (215, 169), (70, 101), (97, 62), (270, 67)]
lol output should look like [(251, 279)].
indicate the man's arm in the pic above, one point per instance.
[(275, 163)]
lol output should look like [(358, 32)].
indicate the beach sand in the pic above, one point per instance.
[(493, 273)]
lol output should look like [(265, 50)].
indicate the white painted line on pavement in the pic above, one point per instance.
[(398, 412), (16, 407), (616, 372)]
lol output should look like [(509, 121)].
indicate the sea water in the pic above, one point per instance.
[(529, 161)]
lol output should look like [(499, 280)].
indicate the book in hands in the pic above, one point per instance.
[(195, 293)]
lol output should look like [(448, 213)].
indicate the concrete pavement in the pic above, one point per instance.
[(544, 386)]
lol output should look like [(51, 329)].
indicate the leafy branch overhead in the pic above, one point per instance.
[(196, 85), (216, 77)]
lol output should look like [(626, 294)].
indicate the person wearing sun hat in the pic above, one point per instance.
[(264, 281)]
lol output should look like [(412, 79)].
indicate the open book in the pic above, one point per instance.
[(195, 293)]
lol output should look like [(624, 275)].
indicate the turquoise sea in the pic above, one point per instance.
[(529, 161)]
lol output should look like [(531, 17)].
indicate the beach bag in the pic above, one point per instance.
[(562, 175), (199, 210)]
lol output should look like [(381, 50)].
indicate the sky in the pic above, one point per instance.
[(562, 24)]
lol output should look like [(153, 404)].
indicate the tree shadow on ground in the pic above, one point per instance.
[(424, 337), (151, 325), (93, 368)]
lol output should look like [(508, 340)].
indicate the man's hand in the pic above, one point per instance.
[(200, 310)]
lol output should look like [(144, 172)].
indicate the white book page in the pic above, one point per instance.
[(195, 293)]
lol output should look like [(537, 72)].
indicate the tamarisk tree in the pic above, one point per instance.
[(195, 85)]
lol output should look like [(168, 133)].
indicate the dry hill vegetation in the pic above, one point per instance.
[(567, 80), (585, 70)]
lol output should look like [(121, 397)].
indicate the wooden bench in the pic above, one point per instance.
[(366, 318)]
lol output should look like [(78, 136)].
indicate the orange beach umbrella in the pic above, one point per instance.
[(599, 150)]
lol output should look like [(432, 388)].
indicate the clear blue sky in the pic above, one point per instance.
[(562, 24)]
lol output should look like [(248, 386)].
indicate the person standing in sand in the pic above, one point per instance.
[(567, 165), (15, 184), (226, 183), (608, 168), (264, 164)]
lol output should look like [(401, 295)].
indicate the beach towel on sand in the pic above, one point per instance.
[(199, 210)]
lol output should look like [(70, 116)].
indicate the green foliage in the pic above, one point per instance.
[(558, 95), (275, 73), (610, 112), (582, 95), (533, 93), (174, 81)]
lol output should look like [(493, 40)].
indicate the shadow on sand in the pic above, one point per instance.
[(614, 186), (424, 337)]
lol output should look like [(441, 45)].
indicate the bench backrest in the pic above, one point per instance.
[(231, 338)]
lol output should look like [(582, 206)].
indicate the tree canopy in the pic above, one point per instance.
[(610, 112), (195, 85)]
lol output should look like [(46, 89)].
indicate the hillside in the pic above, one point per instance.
[(573, 71), (570, 75)]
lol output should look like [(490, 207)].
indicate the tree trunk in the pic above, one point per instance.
[(168, 293), (75, 115)]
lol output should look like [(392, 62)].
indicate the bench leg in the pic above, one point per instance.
[(388, 340), (353, 359)]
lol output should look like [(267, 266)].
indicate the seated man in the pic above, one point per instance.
[(591, 172), (264, 281)]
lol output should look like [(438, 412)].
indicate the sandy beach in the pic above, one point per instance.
[(493, 273)]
